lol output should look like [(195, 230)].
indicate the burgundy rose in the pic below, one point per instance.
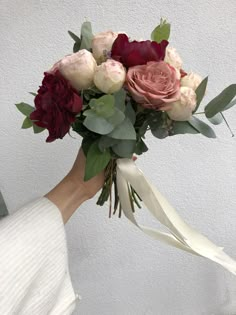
[(57, 104), (154, 85), (137, 53)]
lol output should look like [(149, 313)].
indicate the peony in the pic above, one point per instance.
[(57, 103), (154, 85), (109, 77), (137, 53), (191, 80), (173, 58), (183, 108), (101, 45), (78, 69)]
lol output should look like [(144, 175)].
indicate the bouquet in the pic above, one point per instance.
[(111, 91)]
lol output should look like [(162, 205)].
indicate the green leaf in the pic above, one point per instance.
[(200, 92), (76, 47), (182, 127), (96, 161), (106, 142), (161, 32), (160, 132), (140, 147), (124, 148), (86, 36), (37, 129), (130, 113), (202, 127), (231, 104), (217, 119), (25, 109), (27, 123), (124, 131), (98, 124), (103, 106), (220, 102), (32, 93), (120, 97), (116, 118), (74, 37)]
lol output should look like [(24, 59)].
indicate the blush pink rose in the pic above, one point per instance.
[(154, 85)]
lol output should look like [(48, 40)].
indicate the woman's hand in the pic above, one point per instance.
[(72, 191)]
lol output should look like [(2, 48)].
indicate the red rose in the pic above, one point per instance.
[(57, 104), (137, 53)]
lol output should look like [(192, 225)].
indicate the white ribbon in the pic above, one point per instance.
[(181, 235)]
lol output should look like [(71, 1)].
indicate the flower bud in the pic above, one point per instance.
[(173, 58), (101, 45), (191, 80), (109, 77), (78, 69), (182, 109)]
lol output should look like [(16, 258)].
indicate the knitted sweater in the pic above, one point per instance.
[(34, 276)]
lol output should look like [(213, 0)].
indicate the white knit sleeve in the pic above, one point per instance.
[(34, 277)]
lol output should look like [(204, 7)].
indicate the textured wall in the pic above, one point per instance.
[(116, 268)]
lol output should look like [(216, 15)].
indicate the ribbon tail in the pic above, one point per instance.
[(182, 235)]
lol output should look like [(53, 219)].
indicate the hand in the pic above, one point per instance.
[(91, 186), (72, 191)]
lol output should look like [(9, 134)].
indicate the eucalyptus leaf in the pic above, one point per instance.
[(98, 124), (32, 93), (104, 106), (140, 147), (116, 118), (124, 148), (74, 37), (124, 131), (231, 104), (37, 129), (130, 113), (200, 92), (76, 47), (221, 101), (217, 119), (182, 127), (160, 132), (202, 127), (106, 142), (96, 161), (27, 123), (161, 32), (25, 108), (86, 36), (120, 97)]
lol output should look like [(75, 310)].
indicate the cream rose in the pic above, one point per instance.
[(173, 58), (101, 45), (191, 80), (78, 69), (153, 85), (109, 77), (182, 109)]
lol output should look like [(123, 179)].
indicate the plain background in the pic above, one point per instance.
[(116, 268)]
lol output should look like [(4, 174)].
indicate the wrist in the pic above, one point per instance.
[(68, 195)]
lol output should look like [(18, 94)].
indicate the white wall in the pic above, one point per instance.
[(116, 268)]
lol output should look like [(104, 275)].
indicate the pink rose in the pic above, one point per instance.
[(154, 85)]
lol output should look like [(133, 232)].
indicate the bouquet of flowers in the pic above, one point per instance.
[(111, 91)]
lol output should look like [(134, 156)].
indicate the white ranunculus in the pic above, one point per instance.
[(102, 44), (78, 69), (182, 109), (110, 76), (173, 58), (191, 80)]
